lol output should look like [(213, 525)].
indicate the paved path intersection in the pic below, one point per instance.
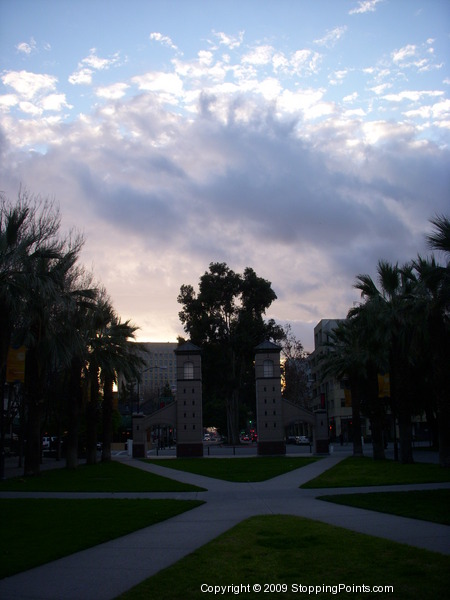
[(107, 570)]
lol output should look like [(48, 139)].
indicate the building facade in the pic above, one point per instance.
[(159, 371), (329, 393)]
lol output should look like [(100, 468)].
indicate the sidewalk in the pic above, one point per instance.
[(107, 570)]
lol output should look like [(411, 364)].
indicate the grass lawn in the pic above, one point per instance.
[(36, 531), (362, 471), (257, 468), (103, 477), (429, 505), (294, 551)]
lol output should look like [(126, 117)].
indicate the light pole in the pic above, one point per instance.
[(139, 382)]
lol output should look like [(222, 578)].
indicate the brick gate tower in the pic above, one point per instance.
[(269, 414), (189, 400)]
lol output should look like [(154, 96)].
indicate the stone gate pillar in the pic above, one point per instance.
[(139, 436), (189, 400), (320, 431), (269, 416)]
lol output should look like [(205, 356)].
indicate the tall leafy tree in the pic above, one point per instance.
[(295, 369), (226, 319)]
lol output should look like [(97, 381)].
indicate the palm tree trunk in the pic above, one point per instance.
[(378, 415), (91, 432), (33, 395), (441, 378), (74, 412), (399, 379), (377, 437), (107, 412), (443, 402), (444, 435), (356, 419)]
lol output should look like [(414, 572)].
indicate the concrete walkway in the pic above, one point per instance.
[(107, 570)]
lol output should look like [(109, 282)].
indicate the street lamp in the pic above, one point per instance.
[(139, 382)]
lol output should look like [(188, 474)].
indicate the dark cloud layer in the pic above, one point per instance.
[(160, 193)]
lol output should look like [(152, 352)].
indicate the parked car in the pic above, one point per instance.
[(291, 439)]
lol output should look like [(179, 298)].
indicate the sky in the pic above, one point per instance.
[(305, 139)]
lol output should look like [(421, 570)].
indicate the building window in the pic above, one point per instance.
[(188, 370), (268, 368)]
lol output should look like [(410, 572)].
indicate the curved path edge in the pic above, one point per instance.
[(107, 570)]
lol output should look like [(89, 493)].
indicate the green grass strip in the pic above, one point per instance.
[(294, 551), (104, 477), (364, 471), (36, 531), (257, 468), (429, 505)]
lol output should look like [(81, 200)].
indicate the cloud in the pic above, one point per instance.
[(112, 92), (413, 95), (419, 57), (243, 154), (305, 62), (27, 47), (364, 6), (399, 56), (260, 55), (230, 41), (81, 77), (29, 85), (161, 197), (330, 39), (55, 102), (99, 64), (89, 65), (35, 93), (168, 85), (163, 39)]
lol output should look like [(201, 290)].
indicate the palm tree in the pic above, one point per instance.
[(40, 330), (77, 319), (110, 350), (34, 265), (27, 233), (435, 282), (122, 356), (343, 360), (388, 306)]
